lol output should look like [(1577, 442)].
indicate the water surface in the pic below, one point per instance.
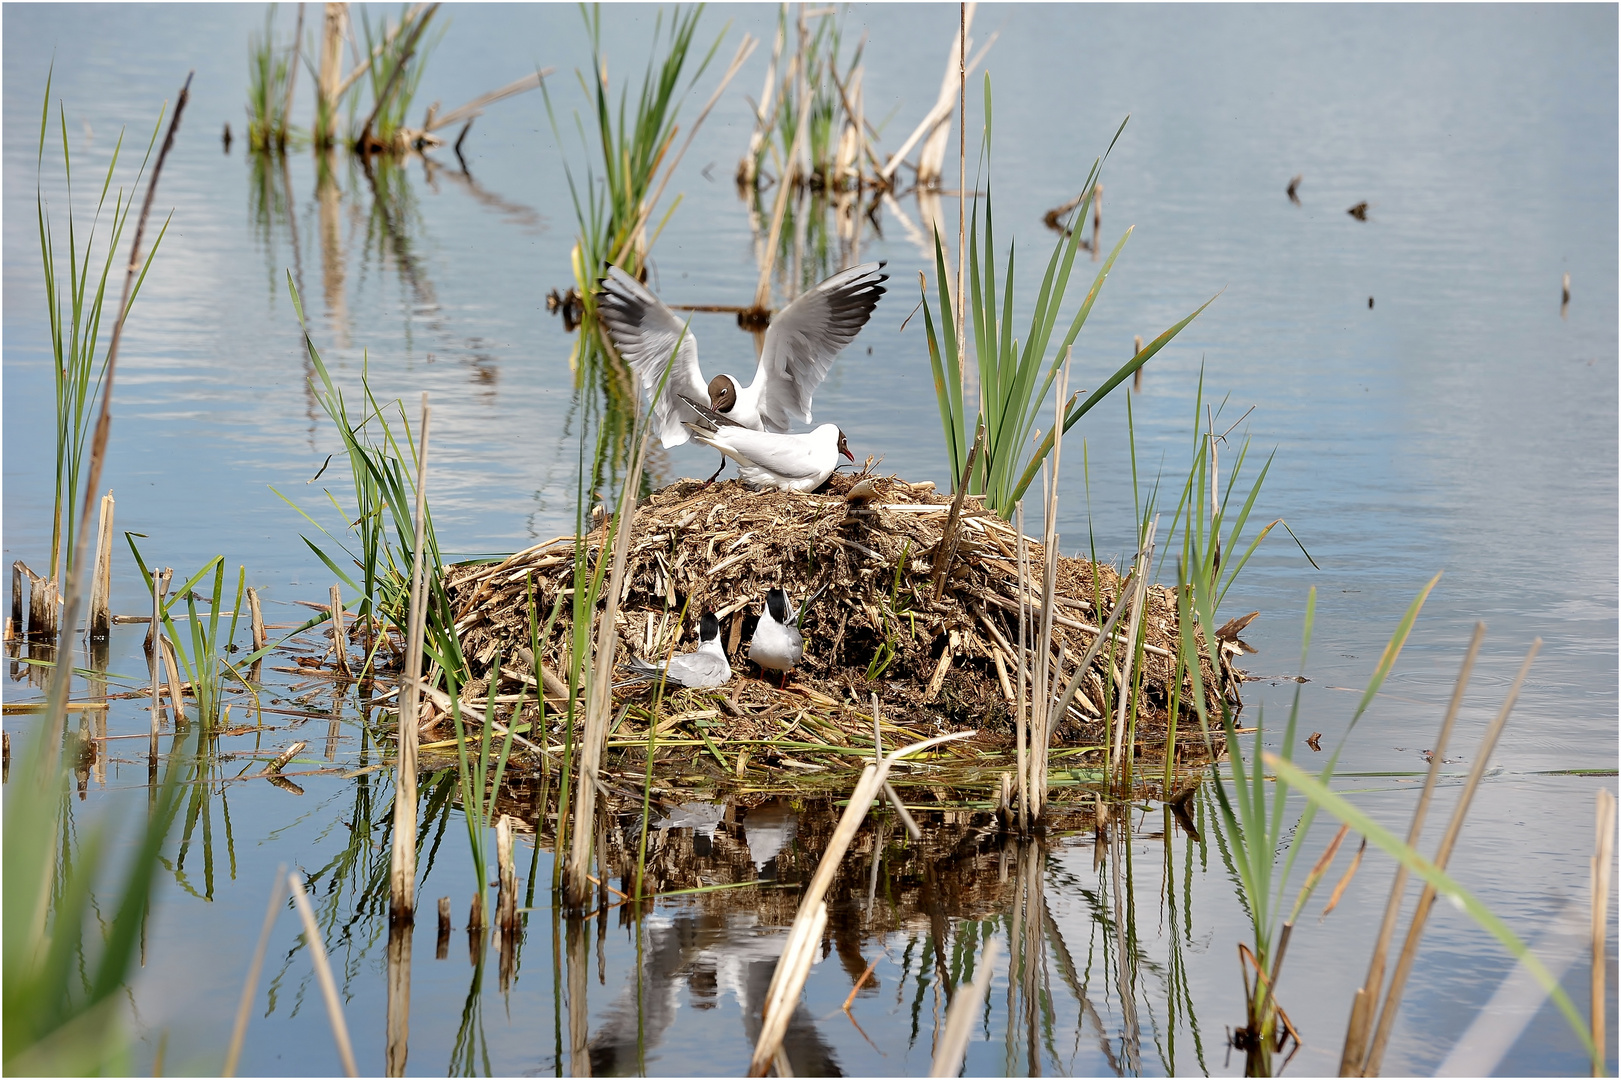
[(1459, 423)]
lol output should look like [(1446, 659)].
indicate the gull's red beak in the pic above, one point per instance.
[(844, 447)]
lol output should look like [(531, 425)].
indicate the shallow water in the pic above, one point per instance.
[(1459, 424)]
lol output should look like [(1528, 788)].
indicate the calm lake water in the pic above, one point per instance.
[(1428, 406)]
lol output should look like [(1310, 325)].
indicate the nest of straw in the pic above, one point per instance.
[(936, 661)]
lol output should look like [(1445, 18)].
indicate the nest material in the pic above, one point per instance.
[(871, 542)]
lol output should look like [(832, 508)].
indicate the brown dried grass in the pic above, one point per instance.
[(720, 547)]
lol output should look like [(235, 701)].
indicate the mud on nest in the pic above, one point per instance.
[(936, 664)]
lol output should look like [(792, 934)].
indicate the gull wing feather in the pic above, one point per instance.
[(645, 332), (805, 337), (700, 669)]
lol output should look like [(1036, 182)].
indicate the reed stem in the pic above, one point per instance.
[(323, 975), (402, 862), (1356, 1036), (1603, 852), (1404, 964), (250, 985)]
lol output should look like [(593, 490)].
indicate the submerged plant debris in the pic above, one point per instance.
[(862, 551)]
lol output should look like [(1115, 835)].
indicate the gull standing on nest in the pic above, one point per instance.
[(767, 460), (777, 643), (704, 667), (800, 346)]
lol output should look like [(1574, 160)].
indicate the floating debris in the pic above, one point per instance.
[(1294, 187), (1359, 211)]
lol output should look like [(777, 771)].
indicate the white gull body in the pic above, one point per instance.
[(777, 643)]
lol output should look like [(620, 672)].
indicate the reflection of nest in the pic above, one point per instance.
[(877, 628), (958, 870)]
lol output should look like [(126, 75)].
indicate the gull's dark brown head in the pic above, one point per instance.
[(844, 447), (722, 393)]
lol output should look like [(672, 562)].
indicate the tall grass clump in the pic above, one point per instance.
[(380, 552), (61, 995), (398, 58), (630, 146), (201, 653), (1013, 378), (272, 72), (810, 87), (75, 308), (73, 928)]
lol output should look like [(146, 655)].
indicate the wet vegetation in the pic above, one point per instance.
[(980, 708)]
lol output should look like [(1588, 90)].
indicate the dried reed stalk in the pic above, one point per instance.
[(1042, 716), (1123, 695), (762, 291), (283, 758), (402, 858), (340, 642), (1356, 1033), (257, 619), (154, 657), (250, 985), (506, 897), (806, 932), (62, 675), (1022, 717), (599, 702), (953, 1044), (943, 105), (101, 579), (1603, 851), (947, 548), (15, 625), (176, 689), (1404, 964), (323, 974)]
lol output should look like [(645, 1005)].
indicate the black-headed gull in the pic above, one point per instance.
[(769, 460), (777, 643), (800, 346), (702, 668)]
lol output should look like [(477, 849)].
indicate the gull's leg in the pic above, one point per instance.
[(718, 471)]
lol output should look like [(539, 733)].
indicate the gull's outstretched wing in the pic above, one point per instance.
[(806, 336), (645, 332)]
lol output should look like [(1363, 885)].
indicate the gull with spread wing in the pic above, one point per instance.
[(800, 346)]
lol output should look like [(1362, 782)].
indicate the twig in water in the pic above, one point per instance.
[(282, 759)]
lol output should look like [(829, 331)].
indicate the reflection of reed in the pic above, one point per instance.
[(577, 948), (399, 996), (327, 199)]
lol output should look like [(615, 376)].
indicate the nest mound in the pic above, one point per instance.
[(869, 542)]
